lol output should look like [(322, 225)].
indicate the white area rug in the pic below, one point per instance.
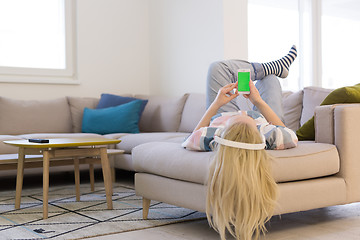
[(69, 219)]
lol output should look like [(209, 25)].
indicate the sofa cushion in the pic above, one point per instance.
[(313, 96), (161, 114), (120, 119), (308, 160), (77, 105), (130, 141), (194, 109), (29, 116), (293, 104)]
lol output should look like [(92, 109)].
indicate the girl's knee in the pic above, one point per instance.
[(216, 66)]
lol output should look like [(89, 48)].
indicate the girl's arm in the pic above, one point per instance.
[(263, 107), (224, 96)]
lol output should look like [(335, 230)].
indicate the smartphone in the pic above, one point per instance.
[(243, 81)]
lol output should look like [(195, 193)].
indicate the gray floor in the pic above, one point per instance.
[(342, 222), (338, 222)]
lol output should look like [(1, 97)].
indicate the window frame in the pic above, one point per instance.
[(44, 75)]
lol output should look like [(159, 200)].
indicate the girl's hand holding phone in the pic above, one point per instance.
[(254, 95)]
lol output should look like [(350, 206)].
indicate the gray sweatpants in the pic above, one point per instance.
[(224, 72)]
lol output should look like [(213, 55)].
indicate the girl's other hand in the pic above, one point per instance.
[(226, 94)]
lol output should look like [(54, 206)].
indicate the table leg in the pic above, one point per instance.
[(46, 164), (77, 178), (107, 176), (19, 177)]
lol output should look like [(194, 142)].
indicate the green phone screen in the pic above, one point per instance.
[(243, 81)]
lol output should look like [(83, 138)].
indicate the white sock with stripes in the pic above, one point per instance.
[(280, 67)]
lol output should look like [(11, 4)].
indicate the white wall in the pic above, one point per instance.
[(235, 29), (185, 37), (113, 46), (161, 47), (112, 55)]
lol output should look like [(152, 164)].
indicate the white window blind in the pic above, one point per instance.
[(273, 29), (326, 32), (340, 43)]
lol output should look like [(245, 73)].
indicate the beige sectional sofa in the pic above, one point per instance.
[(315, 174)]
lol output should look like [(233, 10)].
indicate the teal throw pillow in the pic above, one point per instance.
[(120, 119)]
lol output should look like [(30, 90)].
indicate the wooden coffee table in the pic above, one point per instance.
[(74, 148)]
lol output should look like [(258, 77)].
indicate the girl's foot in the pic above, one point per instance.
[(280, 67)]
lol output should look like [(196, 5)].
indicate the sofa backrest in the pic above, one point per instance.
[(34, 116), (161, 113), (194, 109), (299, 106), (182, 113), (77, 105)]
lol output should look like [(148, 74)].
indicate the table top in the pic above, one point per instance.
[(64, 142)]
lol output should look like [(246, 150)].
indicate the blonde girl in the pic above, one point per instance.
[(241, 192)]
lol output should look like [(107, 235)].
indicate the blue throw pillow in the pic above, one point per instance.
[(111, 100), (120, 119)]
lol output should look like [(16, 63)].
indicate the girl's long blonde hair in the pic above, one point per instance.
[(241, 192)]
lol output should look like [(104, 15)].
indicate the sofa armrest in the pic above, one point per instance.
[(346, 139), (324, 124)]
